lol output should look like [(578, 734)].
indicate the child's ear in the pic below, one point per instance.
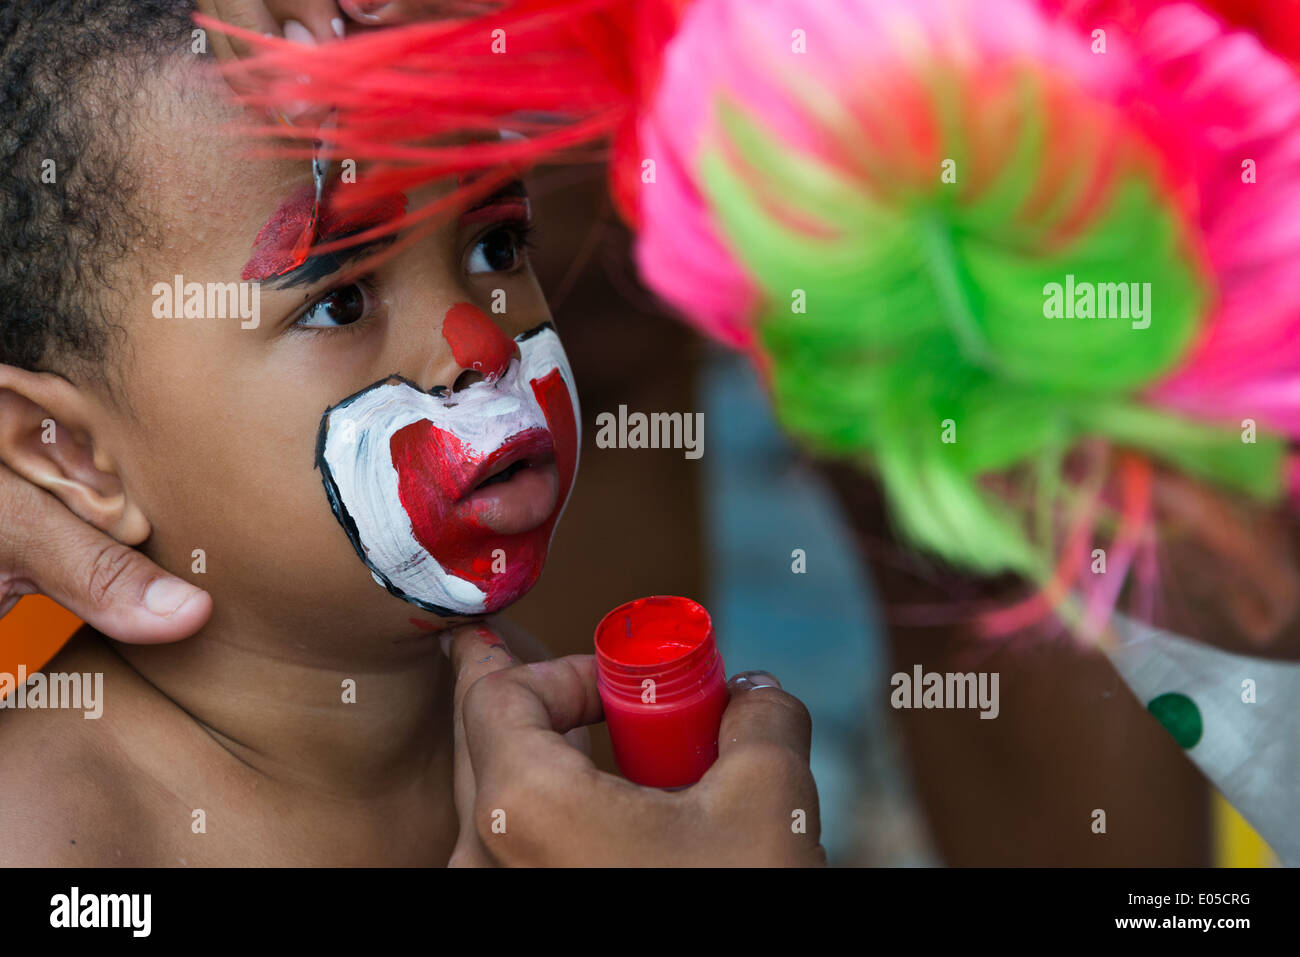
[(46, 436)]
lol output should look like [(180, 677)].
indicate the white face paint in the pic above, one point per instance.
[(398, 464)]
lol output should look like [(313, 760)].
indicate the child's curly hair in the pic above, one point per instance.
[(67, 71)]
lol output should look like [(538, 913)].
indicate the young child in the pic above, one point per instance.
[(334, 434)]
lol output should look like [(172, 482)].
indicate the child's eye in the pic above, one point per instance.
[(500, 250), (339, 307)]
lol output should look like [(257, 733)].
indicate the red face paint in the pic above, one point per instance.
[(663, 687), (557, 406), (477, 342), (436, 470), (279, 248)]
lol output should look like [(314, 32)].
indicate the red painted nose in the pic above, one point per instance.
[(477, 343)]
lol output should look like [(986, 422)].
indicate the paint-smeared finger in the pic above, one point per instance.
[(475, 650), (527, 648)]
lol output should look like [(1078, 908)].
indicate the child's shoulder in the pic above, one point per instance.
[(70, 794)]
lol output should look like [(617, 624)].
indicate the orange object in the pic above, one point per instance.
[(33, 632)]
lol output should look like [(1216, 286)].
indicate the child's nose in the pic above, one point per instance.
[(480, 348)]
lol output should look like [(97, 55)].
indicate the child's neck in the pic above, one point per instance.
[(359, 731)]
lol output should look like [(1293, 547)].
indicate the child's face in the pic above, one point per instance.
[(399, 393)]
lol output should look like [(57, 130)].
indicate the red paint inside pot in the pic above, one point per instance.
[(663, 687)]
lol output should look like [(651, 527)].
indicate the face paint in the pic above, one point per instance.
[(476, 341), (404, 472), (278, 250)]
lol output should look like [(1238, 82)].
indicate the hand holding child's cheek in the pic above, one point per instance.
[(526, 797), (45, 548)]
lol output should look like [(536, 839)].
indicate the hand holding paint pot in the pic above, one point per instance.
[(663, 688), (526, 796)]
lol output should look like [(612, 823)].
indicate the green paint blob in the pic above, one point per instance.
[(1180, 716)]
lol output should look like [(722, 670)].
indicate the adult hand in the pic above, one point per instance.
[(300, 21), (309, 22), (524, 796), (314, 22), (320, 21), (387, 12), (46, 548)]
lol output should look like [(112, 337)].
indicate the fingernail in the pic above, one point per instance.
[(164, 596), (367, 11), (337, 26), (753, 680), (445, 641), (295, 32)]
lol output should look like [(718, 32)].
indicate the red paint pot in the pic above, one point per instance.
[(663, 687)]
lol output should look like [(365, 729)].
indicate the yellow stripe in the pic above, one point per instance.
[(1235, 842)]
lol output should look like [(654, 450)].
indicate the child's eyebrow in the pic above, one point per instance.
[(315, 268), (277, 253), (512, 195)]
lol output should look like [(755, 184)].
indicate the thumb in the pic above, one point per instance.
[(46, 548)]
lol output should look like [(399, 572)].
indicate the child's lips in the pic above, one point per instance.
[(519, 503), (516, 488)]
